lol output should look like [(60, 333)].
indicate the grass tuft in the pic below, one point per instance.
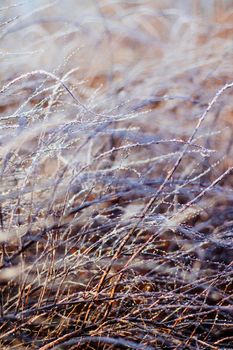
[(116, 219)]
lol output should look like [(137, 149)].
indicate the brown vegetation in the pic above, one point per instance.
[(116, 175)]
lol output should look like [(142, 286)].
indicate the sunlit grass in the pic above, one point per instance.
[(116, 175)]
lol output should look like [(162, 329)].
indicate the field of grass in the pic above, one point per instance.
[(116, 170)]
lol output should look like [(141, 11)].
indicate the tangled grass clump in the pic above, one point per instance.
[(116, 176)]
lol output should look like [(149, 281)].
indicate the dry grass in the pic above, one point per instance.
[(116, 175)]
